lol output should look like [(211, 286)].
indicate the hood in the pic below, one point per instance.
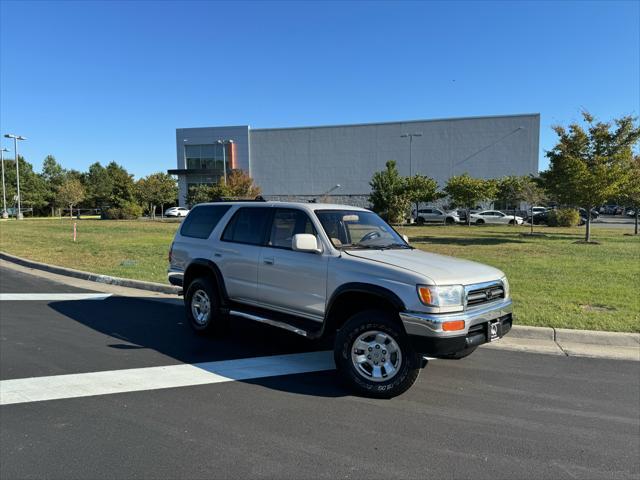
[(441, 269)]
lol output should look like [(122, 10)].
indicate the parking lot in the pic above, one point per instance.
[(148, 399)]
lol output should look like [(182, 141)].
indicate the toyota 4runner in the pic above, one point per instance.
[(321, 270)]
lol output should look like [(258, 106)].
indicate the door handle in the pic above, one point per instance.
[(268, 260)]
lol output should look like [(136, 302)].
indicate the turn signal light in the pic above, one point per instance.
[(425, 295), (453, 325)]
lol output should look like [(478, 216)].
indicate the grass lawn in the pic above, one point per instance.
[(554, 281)]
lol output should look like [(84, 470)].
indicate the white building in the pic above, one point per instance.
[(305, 162)]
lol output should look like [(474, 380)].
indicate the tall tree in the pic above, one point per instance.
[(99, 185), (155, 190), (587, 165), (200, 193), (239, 185), (509, 192), (630, 190), (33, 188), (53, 175), (388, 194), (467, 191), (122, 185), (420, 188), (70, 193), (532, 193)]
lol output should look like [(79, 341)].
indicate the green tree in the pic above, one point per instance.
[(122, 185), (467, 191), (533, 194), (587, 165), (200, 193), (33, 188), (99, 185), (509, 192), (53, 175), (70, 193), (389, 195), (155, 190), (630, 190), (420, 188)]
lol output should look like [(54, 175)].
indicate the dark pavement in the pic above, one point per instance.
[(496, 414)]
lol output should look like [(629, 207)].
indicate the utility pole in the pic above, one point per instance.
[(5, 214), (410, 136), (224, 143), (19, 215)]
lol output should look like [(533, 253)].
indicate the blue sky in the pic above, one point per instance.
[(101, 81)]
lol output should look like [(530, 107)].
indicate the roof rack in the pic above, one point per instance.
[(259, 198)]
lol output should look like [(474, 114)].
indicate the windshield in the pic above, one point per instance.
[(358, 229)]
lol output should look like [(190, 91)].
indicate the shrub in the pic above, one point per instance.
[(128, 211), (564, 217)]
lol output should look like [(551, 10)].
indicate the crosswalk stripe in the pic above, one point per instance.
[(52, 296), (57, 387)]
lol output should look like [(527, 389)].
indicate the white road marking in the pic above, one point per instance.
[(38, 389), (56, 387), (52, 296)]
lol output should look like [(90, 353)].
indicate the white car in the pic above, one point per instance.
[(495, 217), (176, 212), (435, 215)]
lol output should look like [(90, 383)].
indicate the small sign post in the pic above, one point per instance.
[(74, 231)]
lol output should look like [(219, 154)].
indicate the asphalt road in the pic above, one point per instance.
[(496, 414)]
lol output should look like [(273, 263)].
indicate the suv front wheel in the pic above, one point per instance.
[(202, 305), (373, 355)]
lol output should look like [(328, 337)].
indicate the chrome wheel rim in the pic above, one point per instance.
[(200, 307), (376, 356)]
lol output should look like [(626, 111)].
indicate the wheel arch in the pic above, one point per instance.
[(350, 298), (203, 267)]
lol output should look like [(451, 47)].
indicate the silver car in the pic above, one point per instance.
[(322, 270)]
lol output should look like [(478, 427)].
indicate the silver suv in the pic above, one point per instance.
[(321, 270)]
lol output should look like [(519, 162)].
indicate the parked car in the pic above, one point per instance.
[(436, 215), (325, 270), (594, 213), (631, 212), (462, 214), (176, 212), (495, 217)]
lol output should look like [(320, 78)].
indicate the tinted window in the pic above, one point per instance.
[(201, 220), (286, 224), (248, 225)]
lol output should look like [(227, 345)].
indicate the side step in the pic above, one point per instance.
[(269, 321)]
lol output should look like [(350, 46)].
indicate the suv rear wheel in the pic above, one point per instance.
[(374, 357), (202, 305)]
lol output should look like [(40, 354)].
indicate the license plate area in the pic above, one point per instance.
[(493, 330)]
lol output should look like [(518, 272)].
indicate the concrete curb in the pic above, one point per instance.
[(532, 333), (92, 277)]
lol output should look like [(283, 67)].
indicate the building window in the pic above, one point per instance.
[(208, 157)]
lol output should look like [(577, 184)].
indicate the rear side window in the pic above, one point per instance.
[(248, 225), (286, 224), (202, 220)]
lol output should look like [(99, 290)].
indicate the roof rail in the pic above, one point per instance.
[(259, 198)]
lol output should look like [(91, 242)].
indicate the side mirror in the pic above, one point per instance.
[(305, 242), (405, 238)]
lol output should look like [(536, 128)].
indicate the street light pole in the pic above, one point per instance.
[(410, 135), (224, 143), (19, 215), (5, 214)]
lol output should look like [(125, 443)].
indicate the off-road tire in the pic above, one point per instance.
[(375, 320), (215, 322)]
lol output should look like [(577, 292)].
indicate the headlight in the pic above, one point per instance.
[(505, 282), (441, 296)]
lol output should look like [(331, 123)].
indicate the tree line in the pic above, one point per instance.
[(593, 162), (110, 189)]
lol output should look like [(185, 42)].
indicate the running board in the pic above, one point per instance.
[(269, 321)]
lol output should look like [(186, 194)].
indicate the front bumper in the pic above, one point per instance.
[(428, 338)]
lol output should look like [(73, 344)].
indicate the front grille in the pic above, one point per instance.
[(490, 293)]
